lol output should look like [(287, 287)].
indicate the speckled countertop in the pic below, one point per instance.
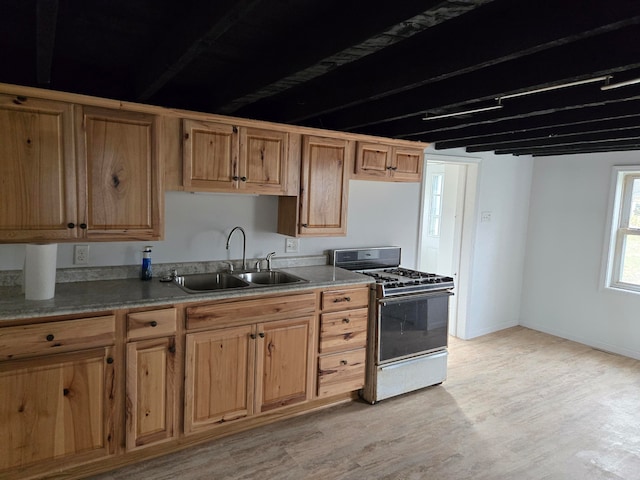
[(102, 295)]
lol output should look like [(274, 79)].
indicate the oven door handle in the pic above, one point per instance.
[(414, 297)]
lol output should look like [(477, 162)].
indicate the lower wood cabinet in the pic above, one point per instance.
[(152, 382), (56, 411), (236, 372)]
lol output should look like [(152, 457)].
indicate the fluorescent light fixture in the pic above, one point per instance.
[(603, 78), (620, 84), (466, 112)]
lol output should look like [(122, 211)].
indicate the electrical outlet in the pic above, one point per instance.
[(81, 254), (291, 245)]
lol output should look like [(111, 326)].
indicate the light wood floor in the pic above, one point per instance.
[(517, 404)]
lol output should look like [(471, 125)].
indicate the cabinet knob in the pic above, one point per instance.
[(109, 360), (244, 179), (172, 349), (235, 178), (305, 225), (346, 320), (235, 129), (343, 362), (253, 336), (153, 323), (261, 334), (50, 338), (65, 391), (71, 225), (394, 168), (83, 226)]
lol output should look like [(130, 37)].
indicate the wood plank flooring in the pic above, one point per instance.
[(517, 404)]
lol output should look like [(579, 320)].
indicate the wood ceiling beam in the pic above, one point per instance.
[(530, 27), (301, 54), (567, 118), (559, 140), (46, 22), (551, 130), (568, 148), (399, 114), (206, 22)]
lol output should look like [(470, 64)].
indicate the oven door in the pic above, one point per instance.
[(412, 325)]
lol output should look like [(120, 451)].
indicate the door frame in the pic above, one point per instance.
[(465, 233)]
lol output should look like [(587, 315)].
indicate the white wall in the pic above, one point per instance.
[(497, 261), (197, 226), (562, 292)]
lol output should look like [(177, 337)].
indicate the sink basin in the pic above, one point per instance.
[(202, 282), (269, 277)]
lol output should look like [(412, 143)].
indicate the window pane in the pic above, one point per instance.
[(436, 185), (631, 260), (634, 215)]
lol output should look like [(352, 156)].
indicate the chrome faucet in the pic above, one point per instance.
[(244, 245), (269, 257)]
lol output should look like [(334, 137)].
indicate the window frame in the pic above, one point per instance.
[(618, 230)]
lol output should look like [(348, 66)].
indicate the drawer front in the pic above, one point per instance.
[(343, 330), (57, 337), (343, 299), (243, 312), (154, 323), (341, 372)]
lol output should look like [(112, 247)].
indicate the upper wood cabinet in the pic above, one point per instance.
[(72, 172), (37, 170), (379, 161), (123, 188), (220, 157), (321, 208)]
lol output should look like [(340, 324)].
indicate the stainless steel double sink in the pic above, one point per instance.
[(205, 282)]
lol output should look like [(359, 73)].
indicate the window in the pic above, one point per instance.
[(435, 205), (624, 249)]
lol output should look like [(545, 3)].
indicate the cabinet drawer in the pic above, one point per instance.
[(343, 299), (57, 337), (341, 372), (343, 330), (154, 323), (242, 312)]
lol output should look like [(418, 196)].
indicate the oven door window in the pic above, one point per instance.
[(412, 325)]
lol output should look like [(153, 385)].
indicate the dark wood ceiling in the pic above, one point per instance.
[(370, 67)]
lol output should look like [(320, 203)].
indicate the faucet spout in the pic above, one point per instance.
[(244, 245)]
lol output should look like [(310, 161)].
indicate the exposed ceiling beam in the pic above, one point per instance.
[(591, 57), (203, 25), (277, 66), (580, 147), (529, 26), (46, 21)]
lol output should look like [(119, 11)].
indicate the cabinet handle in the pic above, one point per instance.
[(244, 179), (71, 225), (109, 360), (261, 334), (305, 225), (153, 323), (253, 336), (172, 349), (346, 320), (19, 100), (235, 129), (394, 168), (343, 362), (50, 338), (65, 391), (343, 299), (83, 226)]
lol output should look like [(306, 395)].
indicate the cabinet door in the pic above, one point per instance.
[(372, 160), (406, 164), (56, 408), (210, 156), (151, 391), (324, 186), (37, 170), (123, 177), (284, 360), (219, 376), (263, 160)]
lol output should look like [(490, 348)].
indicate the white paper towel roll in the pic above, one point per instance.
[(40, 271)]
